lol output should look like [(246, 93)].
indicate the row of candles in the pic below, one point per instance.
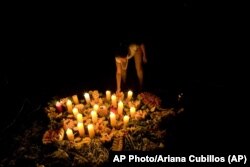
[(94, 115), (81, 131), (87, 98), (90, 127), (108, 97)]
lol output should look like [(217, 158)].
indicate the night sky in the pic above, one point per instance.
[(60, 55)]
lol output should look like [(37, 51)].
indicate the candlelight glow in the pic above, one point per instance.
[(96, 107), (125, 120), (114, 101), (116, 123), (130, 94), (132, 112), (79, 118), (108, 95), (94, 116), (91, 130), (87, 98), (75, 112), (59, 106), (120, 107), (112, 119), (75, 99), (70, 134), (69, 106), (80, 128)]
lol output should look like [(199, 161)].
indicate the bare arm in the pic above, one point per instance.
[(132, 50)]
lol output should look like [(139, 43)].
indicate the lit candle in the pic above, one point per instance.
[(130, 94), (70, 134), (112, 119), (125, 120), (75, 112), (94, 116), (108, 95), (69, 106), (75, 99), (91, 130), (113, 99), (80, 128), (120, 107), (132, 112), (96, 107), (59, 106), (79, 118), (87, 98)]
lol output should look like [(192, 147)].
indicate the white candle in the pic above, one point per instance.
[(113, 99), (87, 98), (59, 106), (112, 119), (125, 120), (79, 118), (91, 130), (80, 128), (94, 116), (120, 107), (75, 99), (130, 94), (96, 107), (75, 112), (108, 95), (69, 106), (132, 112), (70, 134)]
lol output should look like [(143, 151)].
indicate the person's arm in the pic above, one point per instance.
[(144, 57), (131, 51), (129, 56)]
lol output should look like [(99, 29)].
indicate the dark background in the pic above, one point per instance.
[(48, 54)]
